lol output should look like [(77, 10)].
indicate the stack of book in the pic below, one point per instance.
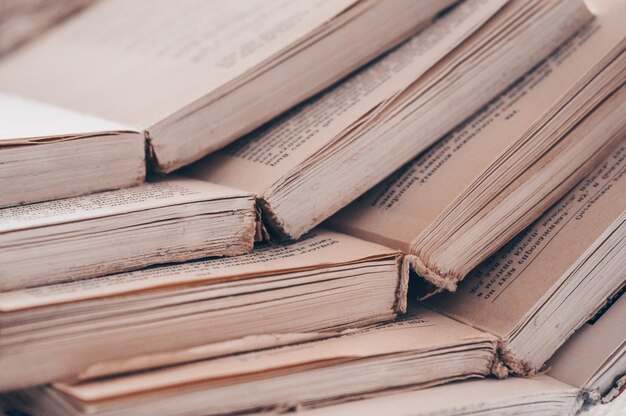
[(326, 207)]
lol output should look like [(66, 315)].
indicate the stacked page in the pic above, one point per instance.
[(195, 75), (325, 282), (552, 278), (48, 152), (452, 207), (308, 164), (541, 395), (594, 358), (171, 220), (421, 349), (591, 366)]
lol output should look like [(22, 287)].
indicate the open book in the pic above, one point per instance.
[(308, 164), (374, 371), (452, 207), (553, 277), (592, 364), (594, 358), (421, 349), (326, 282), (48, 152), (171, 220), (194, 75), (541, 395)]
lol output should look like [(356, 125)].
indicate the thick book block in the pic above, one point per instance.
[(452, 207), (325, 283), (194, 75), (423, 348), (319, 157), (48, 152), (553, 277), (171, 220)]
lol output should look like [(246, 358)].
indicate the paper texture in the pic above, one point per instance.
[(259, 160), (401, 208), (600, 343), (500, 293), (420, 330), (160, 56), (317, 250), (173, 190), (25, 119), (464, 398)]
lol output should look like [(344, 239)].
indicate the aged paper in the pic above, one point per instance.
[(419, 330), (402, 207), (168, 191), (131, 49), (600, 342), (291, 139), (25, 119), (500, 293), (317, 250)]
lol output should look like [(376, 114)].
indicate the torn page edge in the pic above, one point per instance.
[(419, 267), (273, 226), (505, 363), (618, 388), (402, 291), (261, 232)]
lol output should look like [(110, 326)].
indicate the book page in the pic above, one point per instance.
[(255, 162), (501, 291), (172, 190), (159, 55), (22, 21), (24, 119), (398, 210), (584, 354), (317, 250), (419, 330), (461, 396)]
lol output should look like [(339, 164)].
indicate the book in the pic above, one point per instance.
[(554, 276), (589, 369), (455, 205), (308, 164), (22, 21), (594, 358), (170, 220), (194, 75), (421, 349), (513, 396), (48, 152), (378, 370), (325, 283)]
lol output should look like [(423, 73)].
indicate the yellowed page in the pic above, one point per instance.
[(500, 293), (318, 250), (421, 330), (459, 398), (167, 191), (591, 347), (398, 210), (257, 161), (158, 55)]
